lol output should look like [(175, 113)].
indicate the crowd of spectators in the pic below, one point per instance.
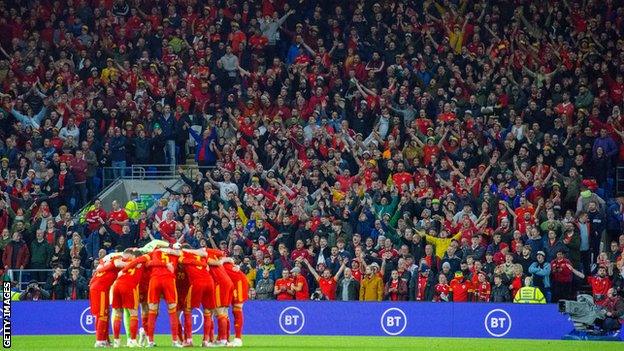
[(399, 150)]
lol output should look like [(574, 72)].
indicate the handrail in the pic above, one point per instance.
[(12, 272)]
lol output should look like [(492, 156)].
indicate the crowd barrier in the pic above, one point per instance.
[(472, 320)]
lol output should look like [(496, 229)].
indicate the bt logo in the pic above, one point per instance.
[(291, 320), (87, 321), (393, 321), (197, 319), (497, 323)]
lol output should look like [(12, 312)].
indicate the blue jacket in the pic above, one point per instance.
[(209, 156), (543, 273), (614, 216), (168, 126), (118, 148), (609, 146)]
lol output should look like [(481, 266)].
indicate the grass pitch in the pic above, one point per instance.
[(329, 343)]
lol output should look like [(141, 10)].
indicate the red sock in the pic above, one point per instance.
[(116, 325), (134, 327), (208, 327), (173, 323), (227, 330), (98, 333), (180, 330), (188, 325), (222, 325), (238, 322), (101, 328), (144, 321), (106, 330), (151, 324)]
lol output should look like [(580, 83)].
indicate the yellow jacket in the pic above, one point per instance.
[(529, 294), (441, 244), (371, 289)]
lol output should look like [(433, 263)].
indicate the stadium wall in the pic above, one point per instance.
[(332, 318)]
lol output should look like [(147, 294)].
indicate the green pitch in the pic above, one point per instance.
[(323, 343)]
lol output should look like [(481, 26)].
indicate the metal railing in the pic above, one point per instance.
[(619, 180), (110, 175), (23, 276), (148, 172)]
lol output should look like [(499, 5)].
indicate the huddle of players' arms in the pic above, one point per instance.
[(186, 278)]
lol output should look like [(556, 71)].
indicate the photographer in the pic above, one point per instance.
[(34, 293)]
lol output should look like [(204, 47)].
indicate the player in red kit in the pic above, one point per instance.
[(200, 292), (222, 293), (144, 287), (125, 294), (182, 289), (162, 281), (99, 289), (239, 296)]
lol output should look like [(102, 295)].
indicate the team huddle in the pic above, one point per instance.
[(186, 278)]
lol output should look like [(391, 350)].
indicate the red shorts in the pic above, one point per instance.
[(223, 286), (124, 296), (98, 300), (201, 293), (240, 291), (159, 286)]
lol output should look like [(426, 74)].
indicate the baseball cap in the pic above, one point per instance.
[(541, 253)]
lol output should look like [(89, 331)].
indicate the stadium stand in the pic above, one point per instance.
[(398, 150)]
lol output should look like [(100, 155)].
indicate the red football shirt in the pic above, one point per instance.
[(304, 294), (120, 216), (159, 264), (460, 290), (167, 230), (131, 274), (284, 283), (328, 287)]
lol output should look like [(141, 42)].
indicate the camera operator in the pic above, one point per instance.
[(34, 292), (614, 305)]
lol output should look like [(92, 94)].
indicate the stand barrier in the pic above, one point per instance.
[(474, 320)]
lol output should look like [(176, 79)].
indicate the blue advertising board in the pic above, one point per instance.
[(472, 320)]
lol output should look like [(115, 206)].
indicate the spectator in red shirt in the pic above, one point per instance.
[(561, 269), (94, 215), (284, 287), (327, 282), (395, 288), (117, 218), (167, 228), (300, 284), (460, 289), (600, 283)]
